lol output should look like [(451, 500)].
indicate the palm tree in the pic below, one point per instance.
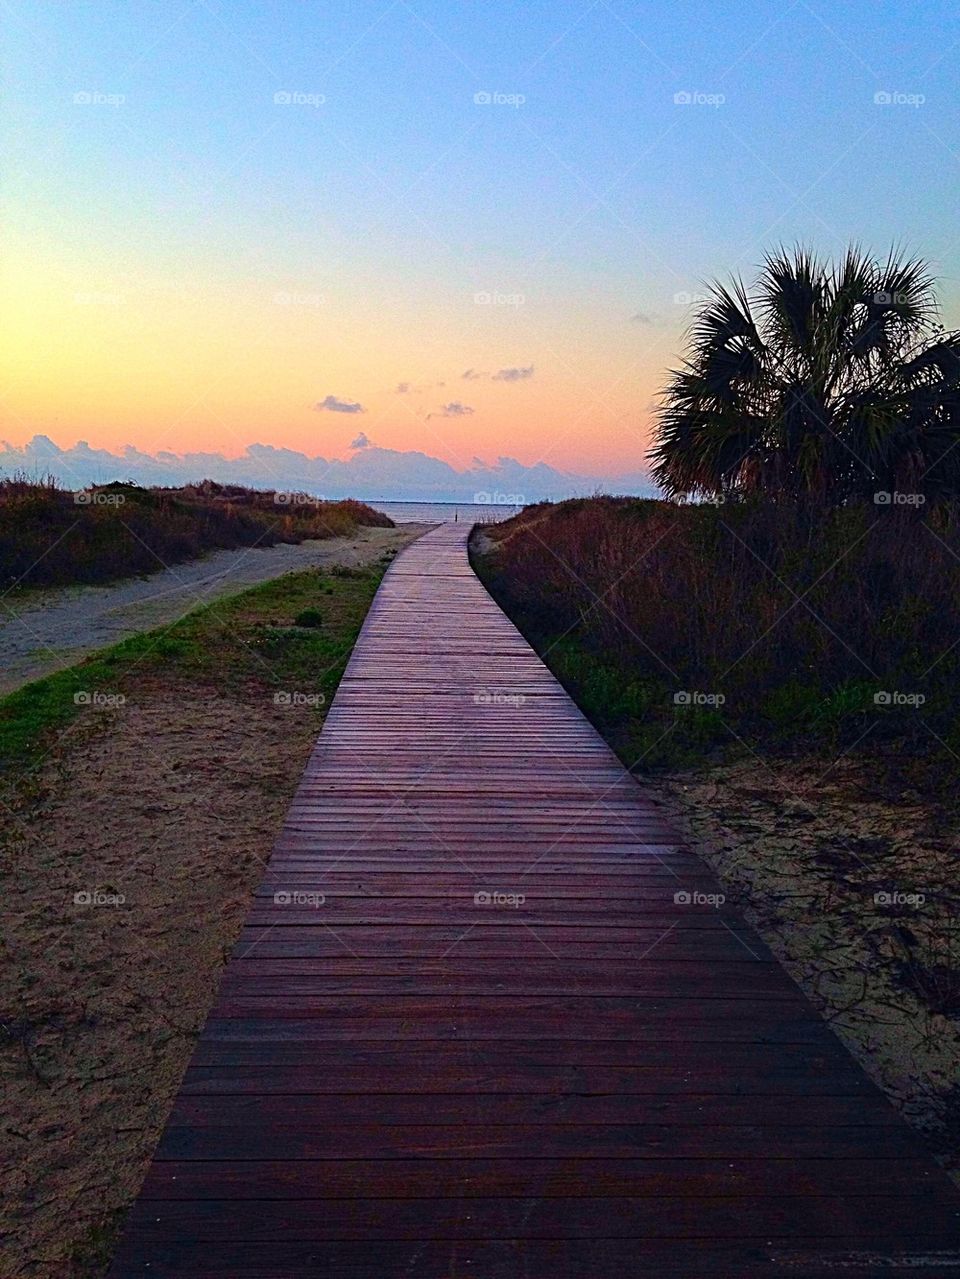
[(827, 382)]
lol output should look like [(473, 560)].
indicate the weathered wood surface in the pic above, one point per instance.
[(473, 1029)]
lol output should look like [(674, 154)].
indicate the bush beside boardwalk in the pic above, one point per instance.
[(686, 629)]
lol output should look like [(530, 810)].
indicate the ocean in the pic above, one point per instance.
[(444, 512)]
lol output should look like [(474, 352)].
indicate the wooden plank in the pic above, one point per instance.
[(551, 1178), (256, 1140), (533, 1216), (505, 1258), (606, 1075)]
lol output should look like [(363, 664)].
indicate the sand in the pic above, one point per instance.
[(853, 884), (171, 804), (41, 632)]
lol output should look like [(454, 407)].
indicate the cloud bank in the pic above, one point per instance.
[(371, 473)]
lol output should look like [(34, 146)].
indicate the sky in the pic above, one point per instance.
[(471, 231)]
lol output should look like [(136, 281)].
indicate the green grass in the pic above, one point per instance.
[(251, 643)]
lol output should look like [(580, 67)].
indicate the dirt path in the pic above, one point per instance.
[(46, 632)]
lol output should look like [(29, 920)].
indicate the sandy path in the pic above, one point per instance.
[(46, 632)]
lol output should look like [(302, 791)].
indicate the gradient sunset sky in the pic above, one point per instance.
[(219, 216)]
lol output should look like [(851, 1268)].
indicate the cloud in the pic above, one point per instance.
[(334, 405), (411, 388), (371, 473), (642, 317), (361, 442), (472, 375), (453, 409), (513, 375)]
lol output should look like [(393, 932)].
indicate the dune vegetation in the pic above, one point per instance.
[(686, 630), (50, 536)]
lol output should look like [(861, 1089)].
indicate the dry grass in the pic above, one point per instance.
[(52, 537), (798, 618)]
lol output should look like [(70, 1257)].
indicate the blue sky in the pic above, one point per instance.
[(385, 188)]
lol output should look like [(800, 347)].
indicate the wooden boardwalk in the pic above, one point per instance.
[(484, 1021)]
